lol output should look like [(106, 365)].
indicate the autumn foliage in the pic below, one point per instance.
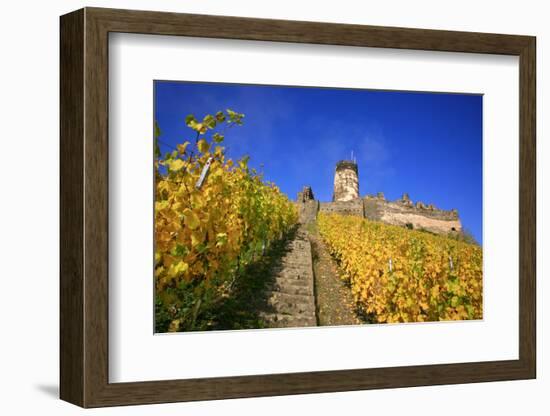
[(400, 275), (213, 215)]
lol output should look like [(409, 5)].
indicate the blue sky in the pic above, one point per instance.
[(426, 144)]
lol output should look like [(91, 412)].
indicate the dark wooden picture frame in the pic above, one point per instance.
[(84, 207)]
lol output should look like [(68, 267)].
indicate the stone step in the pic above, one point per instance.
[(291, 301), (299, 277), (294, 267), (277, 320), (292, 289), (289, 298), (295, 261), (284, 281), (291, 304), (293, 251), (299, 245), (296, 255), (292, 308)]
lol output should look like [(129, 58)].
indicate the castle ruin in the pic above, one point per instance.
[(346, 181), (402, 212)]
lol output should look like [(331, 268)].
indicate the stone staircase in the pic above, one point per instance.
[(290, 299)]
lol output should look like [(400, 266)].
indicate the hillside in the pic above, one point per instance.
[(402, 275)]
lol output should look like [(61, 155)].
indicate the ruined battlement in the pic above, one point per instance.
[(406, 204), (403, 212), (305, 195), (347, 164)]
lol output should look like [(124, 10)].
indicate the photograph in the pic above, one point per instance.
[(282, 206)]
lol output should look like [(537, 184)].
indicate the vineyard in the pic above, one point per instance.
[(213, 217), (401, 275), (230, 252)]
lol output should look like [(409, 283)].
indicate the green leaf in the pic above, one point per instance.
[(157, 131), (190, 119), (470, 311), (191, 122), (235, 117), (179, 250), (209, 121), (243, 163), (454, 301), (220, 116)]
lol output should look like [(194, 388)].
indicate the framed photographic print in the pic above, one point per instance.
[(255, 207)]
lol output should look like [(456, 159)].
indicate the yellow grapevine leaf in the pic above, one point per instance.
[(191, 219), (182, 147), (203, 145), (177, 269), (174, 325), (196, 238), (176, 165)]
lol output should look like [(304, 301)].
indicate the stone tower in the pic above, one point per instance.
[(346, 181)]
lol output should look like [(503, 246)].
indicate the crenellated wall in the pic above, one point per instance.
[(416, 216), (403, 212)]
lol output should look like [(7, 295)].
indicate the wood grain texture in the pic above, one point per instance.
[(162, 23), (527, 208), (71, 251), (84, 207), (96, 208)]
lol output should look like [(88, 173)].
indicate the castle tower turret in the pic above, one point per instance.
[(346, 181)]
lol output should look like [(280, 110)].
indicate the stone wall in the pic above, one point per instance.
[(403, 212), (353, 207), (307, 211), (417, 216), (306, 194)]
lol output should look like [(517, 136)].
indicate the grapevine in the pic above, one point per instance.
[(205, 229), (400, 275)]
